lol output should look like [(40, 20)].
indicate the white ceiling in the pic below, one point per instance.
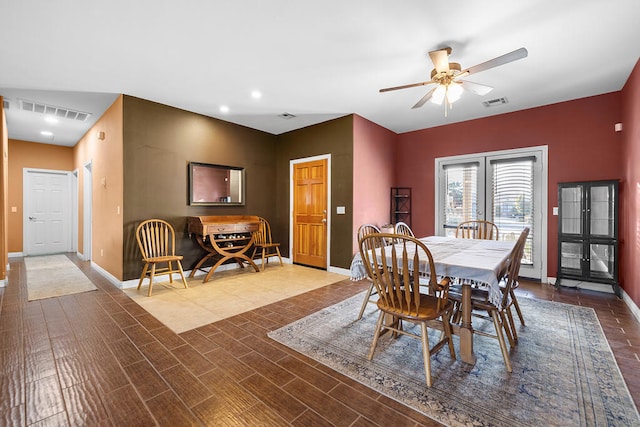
[(316, 60)]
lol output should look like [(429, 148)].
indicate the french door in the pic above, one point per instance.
[(508, 188)]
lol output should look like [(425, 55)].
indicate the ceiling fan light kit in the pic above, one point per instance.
[(446, 76)]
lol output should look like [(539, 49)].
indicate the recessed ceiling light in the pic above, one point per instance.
[(51, 119), (224, 109), (46, 133), (256, 94)]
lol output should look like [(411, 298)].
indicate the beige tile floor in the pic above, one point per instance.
[(228, 293)]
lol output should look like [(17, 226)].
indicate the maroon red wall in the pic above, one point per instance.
[(630, 212), (579, 134)]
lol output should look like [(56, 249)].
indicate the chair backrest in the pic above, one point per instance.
[(395, 271), (477, 229), (156, 238), (404, 229), (513, 265), (366, 229), (263, 234)]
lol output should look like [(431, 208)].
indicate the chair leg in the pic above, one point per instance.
[(143, 275), (279, 256), (153, 273), (169, 264), (503, 344), (426, 354), (506, 326), (184, 281), (512, 325), (365, 302), (446, 326), (263, 260), (517, 306), (376, 334)]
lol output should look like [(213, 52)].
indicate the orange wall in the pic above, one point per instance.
[(630, 203), (107, 185), (374, 152), (4, 191), (24, 154), (580, 135)]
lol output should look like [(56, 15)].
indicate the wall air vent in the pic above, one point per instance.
[(495, 102), (60, 112), (286, 116)]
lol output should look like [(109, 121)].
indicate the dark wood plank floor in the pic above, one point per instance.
[(97, 358)]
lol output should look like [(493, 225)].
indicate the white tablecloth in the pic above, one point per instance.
[(468, 260)]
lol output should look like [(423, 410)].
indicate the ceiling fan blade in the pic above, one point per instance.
[(440, 59), (387, 89), (424, 98), (495, 62), (476, 88)]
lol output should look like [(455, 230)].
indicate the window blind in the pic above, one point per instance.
[(513, 207)]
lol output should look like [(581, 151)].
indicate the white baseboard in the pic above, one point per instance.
[(15, 254), (631, 304)]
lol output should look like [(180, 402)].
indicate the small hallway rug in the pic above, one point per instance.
[(53, 276), (564, 373)]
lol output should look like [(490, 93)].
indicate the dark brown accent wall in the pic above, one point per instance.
[(334, 137), (159, 142)]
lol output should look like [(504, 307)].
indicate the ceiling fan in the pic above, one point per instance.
[(446, 77)]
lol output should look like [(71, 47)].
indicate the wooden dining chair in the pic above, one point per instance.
[(395, 272), (500, 314), (505, 287), (477, 229), (365, 230), (404, 229), (263, 245), (156, 240)]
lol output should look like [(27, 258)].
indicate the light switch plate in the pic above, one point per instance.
[(555, 210), (340, 210)]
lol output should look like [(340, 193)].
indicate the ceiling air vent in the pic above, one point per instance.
[(495, 102), (286, 116), (63, 113)]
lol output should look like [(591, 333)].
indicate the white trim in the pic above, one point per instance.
[(75, 188), (326, 157), (544, 184), (631, 304), (339, 270), (87, 212), (15, 254)]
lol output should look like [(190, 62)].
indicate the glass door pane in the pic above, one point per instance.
[(461, 194), (571, 210), (601, 219), (571, 258), (601, 260)]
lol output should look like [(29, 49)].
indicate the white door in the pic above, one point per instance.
[(508, 188), (47, 210)]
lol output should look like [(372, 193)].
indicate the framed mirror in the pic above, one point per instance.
[(215, 185)]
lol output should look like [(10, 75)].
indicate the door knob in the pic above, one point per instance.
[(324, 219), (32, 218)]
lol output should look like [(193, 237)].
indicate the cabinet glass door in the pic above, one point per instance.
[(571, 207), (601, 215), (601, 260), (571, 258)]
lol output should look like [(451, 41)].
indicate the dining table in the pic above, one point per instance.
[(470, 262)]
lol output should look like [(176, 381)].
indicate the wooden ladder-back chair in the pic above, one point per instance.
[(501, 314), (477, 229), (263, 246), (514, 272), (156, 239), (365, 230), (397, 282)]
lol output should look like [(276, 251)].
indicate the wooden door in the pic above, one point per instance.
[(310, 213)]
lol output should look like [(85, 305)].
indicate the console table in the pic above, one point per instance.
[(227, 237)]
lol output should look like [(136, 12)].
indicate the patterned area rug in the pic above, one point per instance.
[(564, 373), (53, 276)]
